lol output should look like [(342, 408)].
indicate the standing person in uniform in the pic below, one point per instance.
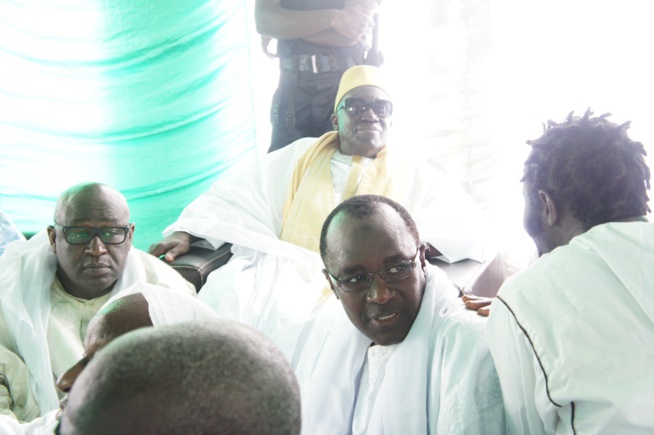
[(317, 41)]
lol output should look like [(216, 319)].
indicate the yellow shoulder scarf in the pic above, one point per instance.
[(311, 193)]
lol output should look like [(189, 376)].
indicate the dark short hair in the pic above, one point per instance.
[(68, 197), (361, 206), (215, 376), (590, 166)]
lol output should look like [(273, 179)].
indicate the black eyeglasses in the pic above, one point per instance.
[(357, 107), (83, 235), (362, 281)]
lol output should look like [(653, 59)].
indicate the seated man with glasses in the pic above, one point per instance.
[(272, 212), (288, 193), (402, 354), (53, 284)]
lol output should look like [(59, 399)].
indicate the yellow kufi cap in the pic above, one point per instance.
[(361, 75)]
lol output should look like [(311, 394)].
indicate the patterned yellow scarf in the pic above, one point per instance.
[(311, 193)]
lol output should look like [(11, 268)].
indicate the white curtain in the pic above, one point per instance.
[(475, 79)]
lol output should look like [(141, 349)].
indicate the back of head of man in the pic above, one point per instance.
[(198, 377), (116, 318), (91, 238), (375, 265), (581, 173)]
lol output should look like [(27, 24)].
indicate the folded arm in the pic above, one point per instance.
[(337, 27)]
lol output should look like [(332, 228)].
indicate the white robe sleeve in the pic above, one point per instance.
[(519, 373), (9, 426), (243, 207), (159, 273), (464, 395)]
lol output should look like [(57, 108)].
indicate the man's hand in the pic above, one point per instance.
[(477, 303), (265, 43), (354, 22), (174, 245)]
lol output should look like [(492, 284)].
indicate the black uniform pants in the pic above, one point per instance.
[(302, 106)]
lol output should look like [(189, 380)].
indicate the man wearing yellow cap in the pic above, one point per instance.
[(273, 212), (317, 41)]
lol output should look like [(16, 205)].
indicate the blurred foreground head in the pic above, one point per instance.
[(200, 378)]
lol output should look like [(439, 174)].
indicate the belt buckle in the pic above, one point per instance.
[(314, 64), (302, 63)]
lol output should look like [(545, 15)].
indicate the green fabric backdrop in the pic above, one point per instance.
[(151, 97)]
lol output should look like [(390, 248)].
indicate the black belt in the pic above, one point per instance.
[(317, 63)]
